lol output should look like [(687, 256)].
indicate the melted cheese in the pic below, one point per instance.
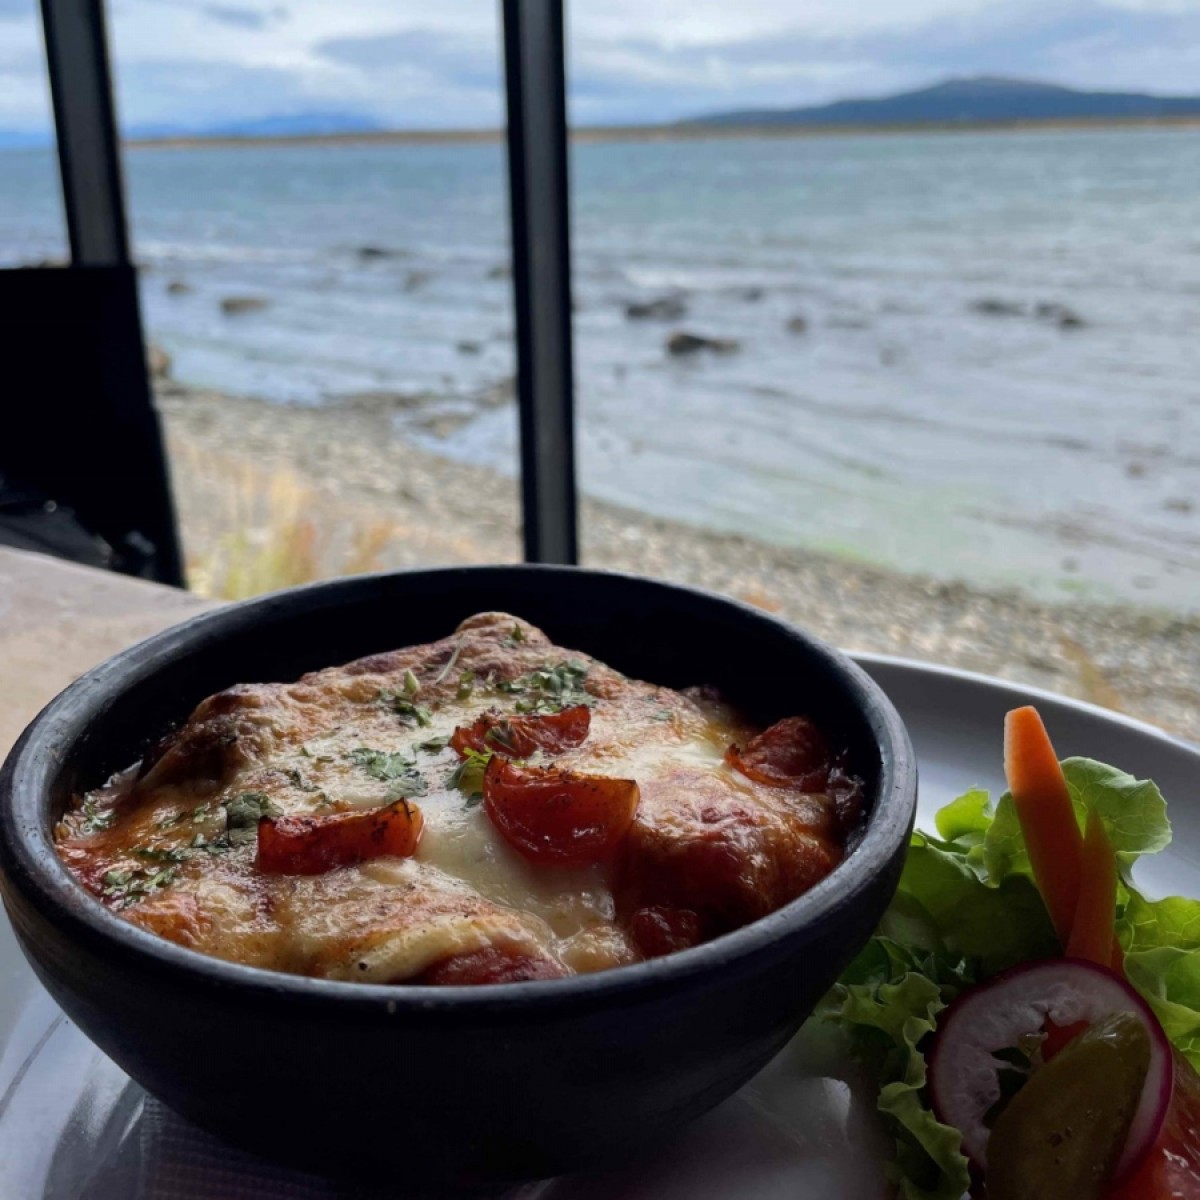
[(465, 889)]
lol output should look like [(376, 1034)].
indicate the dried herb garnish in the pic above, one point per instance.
[(468, 775), (93, 820), (161, 854), (549, 689), (404, 707), (128, 885), (450, 662), (397, 770), (432, 745), (379, 764), (242, 815), (501, 736)]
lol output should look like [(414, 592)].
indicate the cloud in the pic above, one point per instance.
[(454, 60), (1084, 44), (243, 18), (407, 63)]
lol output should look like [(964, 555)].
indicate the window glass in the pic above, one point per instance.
[(319, 209), (925, 386), (32, 231)]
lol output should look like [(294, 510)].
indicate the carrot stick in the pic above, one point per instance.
[(1047, 818), (1093, 932)]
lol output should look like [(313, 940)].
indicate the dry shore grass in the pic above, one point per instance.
[(270, 497)]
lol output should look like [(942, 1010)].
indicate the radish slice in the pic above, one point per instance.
[(964, 1079)]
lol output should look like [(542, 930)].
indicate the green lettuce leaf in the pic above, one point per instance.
[(1133, 811), (1161, 939), (889, 999), (967, 908), (995, 926)]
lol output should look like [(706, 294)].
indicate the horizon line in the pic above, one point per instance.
[(686, 130)]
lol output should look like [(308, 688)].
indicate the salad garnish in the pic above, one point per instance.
[(1022, 993)]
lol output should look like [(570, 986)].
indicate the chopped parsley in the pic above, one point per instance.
[(450, 662), (397, 770), (412, 685), (501, 736), (379, 764), (296, 778), (403, 706), (128, 885), (432, 745), (242, 815), (466, 685), (549, 689), (321, 758), (516, 637), (407, 786), (200, 842), (94, 821), (468, 775), (161, 854)]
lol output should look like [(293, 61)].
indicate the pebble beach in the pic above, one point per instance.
[(365, 498)]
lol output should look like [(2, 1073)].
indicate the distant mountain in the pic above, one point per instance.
[(968, 101), (309, 124)]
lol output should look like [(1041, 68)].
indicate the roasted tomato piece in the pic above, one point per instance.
[(658, 930), (489, 965), (520, 736), (792, 753), (558, 818), (313, 845)]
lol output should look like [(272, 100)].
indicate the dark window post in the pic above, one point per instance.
[(537, 167), (120, 487), (88, 154)]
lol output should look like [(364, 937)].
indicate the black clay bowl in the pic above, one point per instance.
[(449, 1087)]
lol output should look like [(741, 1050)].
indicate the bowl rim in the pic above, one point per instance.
[(31, 864)]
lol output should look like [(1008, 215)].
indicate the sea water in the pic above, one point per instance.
[(997, 378)]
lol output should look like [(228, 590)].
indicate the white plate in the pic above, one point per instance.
[(73, 1126)]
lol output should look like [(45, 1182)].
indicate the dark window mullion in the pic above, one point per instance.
[(84, 117), (535, 75)]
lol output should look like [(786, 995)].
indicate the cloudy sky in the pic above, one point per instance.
[(411, 64)]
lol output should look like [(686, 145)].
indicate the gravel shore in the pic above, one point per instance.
[(370, 500)]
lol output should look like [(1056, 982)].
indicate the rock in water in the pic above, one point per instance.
[(665, 308), (797, 325), (1060, 314), (373, 253), (158, 361), (469, 348), (232, 305), (416, 279), (178, 287), (683, 343), (991, 307)]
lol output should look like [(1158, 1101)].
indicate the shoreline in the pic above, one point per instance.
[(686, 132), (338, 488)]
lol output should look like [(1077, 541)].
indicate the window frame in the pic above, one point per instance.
[(536, 138)]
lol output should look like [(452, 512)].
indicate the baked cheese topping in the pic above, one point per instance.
[(485, 808)]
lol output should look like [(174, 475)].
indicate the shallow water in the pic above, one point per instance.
[(904, 426)]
